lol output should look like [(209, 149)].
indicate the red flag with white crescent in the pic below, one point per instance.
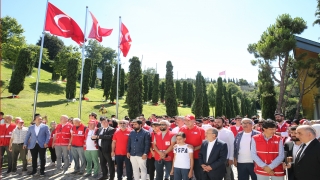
[(97, 32), (60, 24), (125, 43)]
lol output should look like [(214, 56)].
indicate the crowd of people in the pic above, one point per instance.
[(162, 147)]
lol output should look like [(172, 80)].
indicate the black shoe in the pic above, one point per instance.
[(75, 172), (32, 173), (9, 171), (41, 173)]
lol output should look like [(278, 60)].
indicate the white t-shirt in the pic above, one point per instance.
[(176, 129), (91, 145), (182, 159), (2, 121), (206, 126), (244, 151)]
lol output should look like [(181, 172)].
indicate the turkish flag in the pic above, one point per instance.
[(60, 24), (125, 43), (96, 31)]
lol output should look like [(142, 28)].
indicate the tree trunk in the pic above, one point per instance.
[(282, 84)]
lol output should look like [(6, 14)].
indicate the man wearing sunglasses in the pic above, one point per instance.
[(242, 157), (119, 149)]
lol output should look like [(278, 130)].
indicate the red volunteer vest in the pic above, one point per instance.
[(6, 133), (283, 128), (78, 135), (63, 134), (163, 144), (235, 131), (267, 152), (152, 139), (146, 127), (51, 138), (85, 138)]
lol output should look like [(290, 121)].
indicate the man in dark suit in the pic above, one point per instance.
[(292, 148), (307, 161), (213, 156), (104, 139)]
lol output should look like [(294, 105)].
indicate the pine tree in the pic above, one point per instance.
[(150, 84), (178, 89), (93, 75), (87, 72), (72, 74), (227, 102), (145, 88), (170, 96), (212, 98), (155, 92), (162, 91), (219, 98), (236, 105), (205, 107), (135, 88), (107, 81), (198, 100), (232, 115), (113, 93), (122, 82), (185, 92), (190, 94)]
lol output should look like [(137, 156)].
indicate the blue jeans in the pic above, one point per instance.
[(245, 170), (119, 160), (78, 154), (180, 174), (159, 169)]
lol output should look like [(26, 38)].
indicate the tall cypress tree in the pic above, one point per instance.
[(235, 105), (205, 107), (170, 96), (107, 78), (72, 73), (155, 92), (87, 72), (227, 103), (185, 92), (190, 94), (135, 88), (212, 98), (219, 95), (198, 100), (243, 105), (145, 88), (232, 114), (162, 91), (122, 81), (113, 93), (178, 89), (150, 88), (93, 75)]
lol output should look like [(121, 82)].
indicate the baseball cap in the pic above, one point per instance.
[(92, 121), (20, 121), (191, 117)]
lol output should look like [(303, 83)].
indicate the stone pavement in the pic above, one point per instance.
[(50, 174)]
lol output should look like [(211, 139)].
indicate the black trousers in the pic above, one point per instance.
[(53, 154), (151, 168), (105, 157), (42, 154), (9, 157)]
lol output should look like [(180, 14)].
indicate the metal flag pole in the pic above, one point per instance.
[(82, 64), (117, 103), (39, 65)]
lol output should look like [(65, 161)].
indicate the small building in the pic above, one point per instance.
[(311, 100)]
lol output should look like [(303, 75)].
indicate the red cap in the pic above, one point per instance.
[(20, 121), (92, 121), (191, 117)]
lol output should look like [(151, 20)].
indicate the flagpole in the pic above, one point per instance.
[(39, 65), (83, 46), (117, 103)]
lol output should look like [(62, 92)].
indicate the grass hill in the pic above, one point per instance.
[(52, 101)]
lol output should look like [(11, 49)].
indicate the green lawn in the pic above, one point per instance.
[(52, 101)]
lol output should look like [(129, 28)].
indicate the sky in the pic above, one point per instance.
[(210, 36)]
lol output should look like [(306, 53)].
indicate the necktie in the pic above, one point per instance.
[(300, 152)]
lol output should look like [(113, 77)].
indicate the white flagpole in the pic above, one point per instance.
[(117, 103), (39, 65), (83, 46)]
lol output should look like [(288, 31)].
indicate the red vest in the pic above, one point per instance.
[(235, 131), (267, 151), (78, 135), (6, 133), (152, 139), (146, 127), (163, 144), (85, 139), (51, 138), (63, 134), (283, 128)]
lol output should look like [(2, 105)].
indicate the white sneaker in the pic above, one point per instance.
[(52, 164)]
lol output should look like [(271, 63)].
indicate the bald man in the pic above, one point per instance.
[(307, 160)]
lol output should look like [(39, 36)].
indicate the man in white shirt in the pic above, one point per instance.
[(180, 123), (226, 136), (205, 124), (242, 156)]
